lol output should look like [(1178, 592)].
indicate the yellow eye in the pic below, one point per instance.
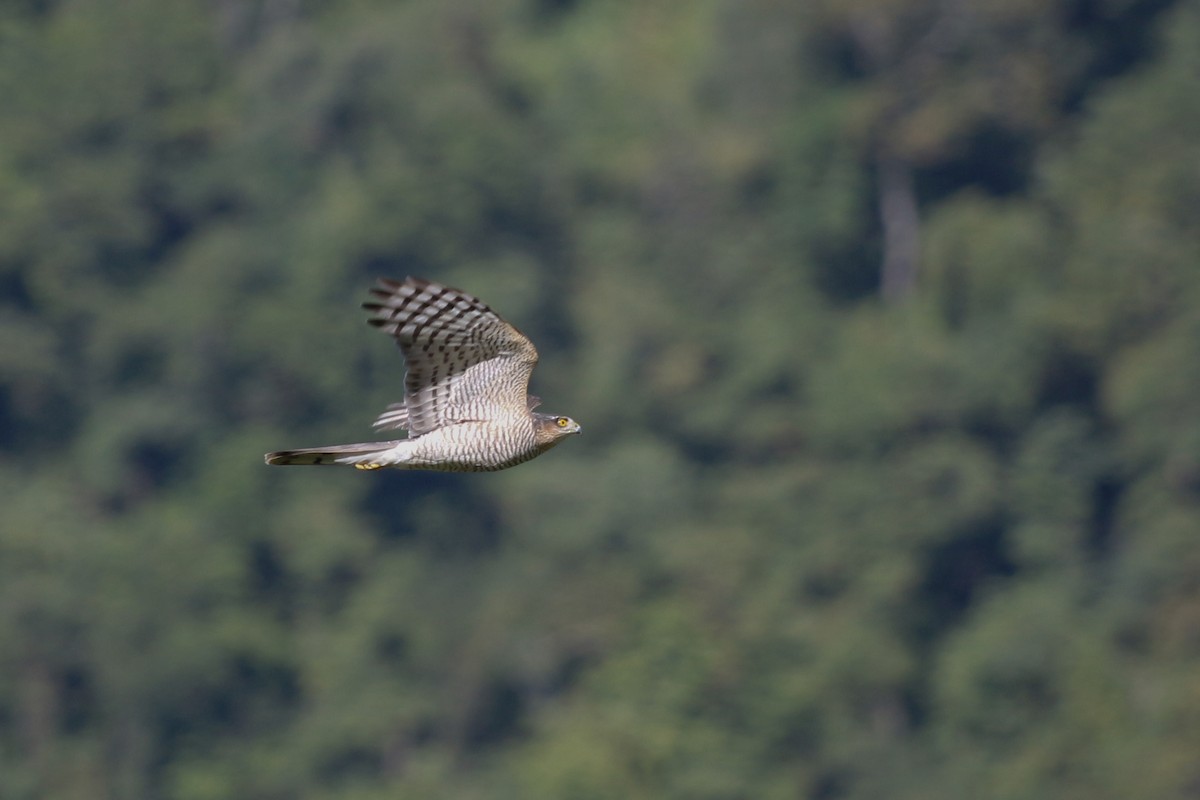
[(561, 422)]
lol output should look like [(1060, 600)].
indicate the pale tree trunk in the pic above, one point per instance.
[(901, 229)]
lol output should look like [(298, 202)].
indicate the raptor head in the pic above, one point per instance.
[(552, 428)]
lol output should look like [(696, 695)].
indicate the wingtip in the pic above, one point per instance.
[(386, 287), (393, 282)]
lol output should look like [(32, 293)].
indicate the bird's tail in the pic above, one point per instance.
[(365, 455)]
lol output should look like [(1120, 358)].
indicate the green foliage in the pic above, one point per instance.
[(811, 544)]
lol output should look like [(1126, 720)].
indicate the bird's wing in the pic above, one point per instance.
[(464, 361), (394, 417)]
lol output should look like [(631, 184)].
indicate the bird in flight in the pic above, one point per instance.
[(466, 406)]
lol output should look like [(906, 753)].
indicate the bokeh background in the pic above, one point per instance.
[(882, 318)]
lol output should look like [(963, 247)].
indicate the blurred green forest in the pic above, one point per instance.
[(882, 319)]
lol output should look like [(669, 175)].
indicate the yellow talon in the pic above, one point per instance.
[(368, 466)]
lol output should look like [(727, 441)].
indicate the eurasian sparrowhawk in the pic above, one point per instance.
[(467, 406)]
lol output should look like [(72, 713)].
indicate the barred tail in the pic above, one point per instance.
[(367, 455)]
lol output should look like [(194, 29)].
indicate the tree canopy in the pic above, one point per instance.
[(882, 321)]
